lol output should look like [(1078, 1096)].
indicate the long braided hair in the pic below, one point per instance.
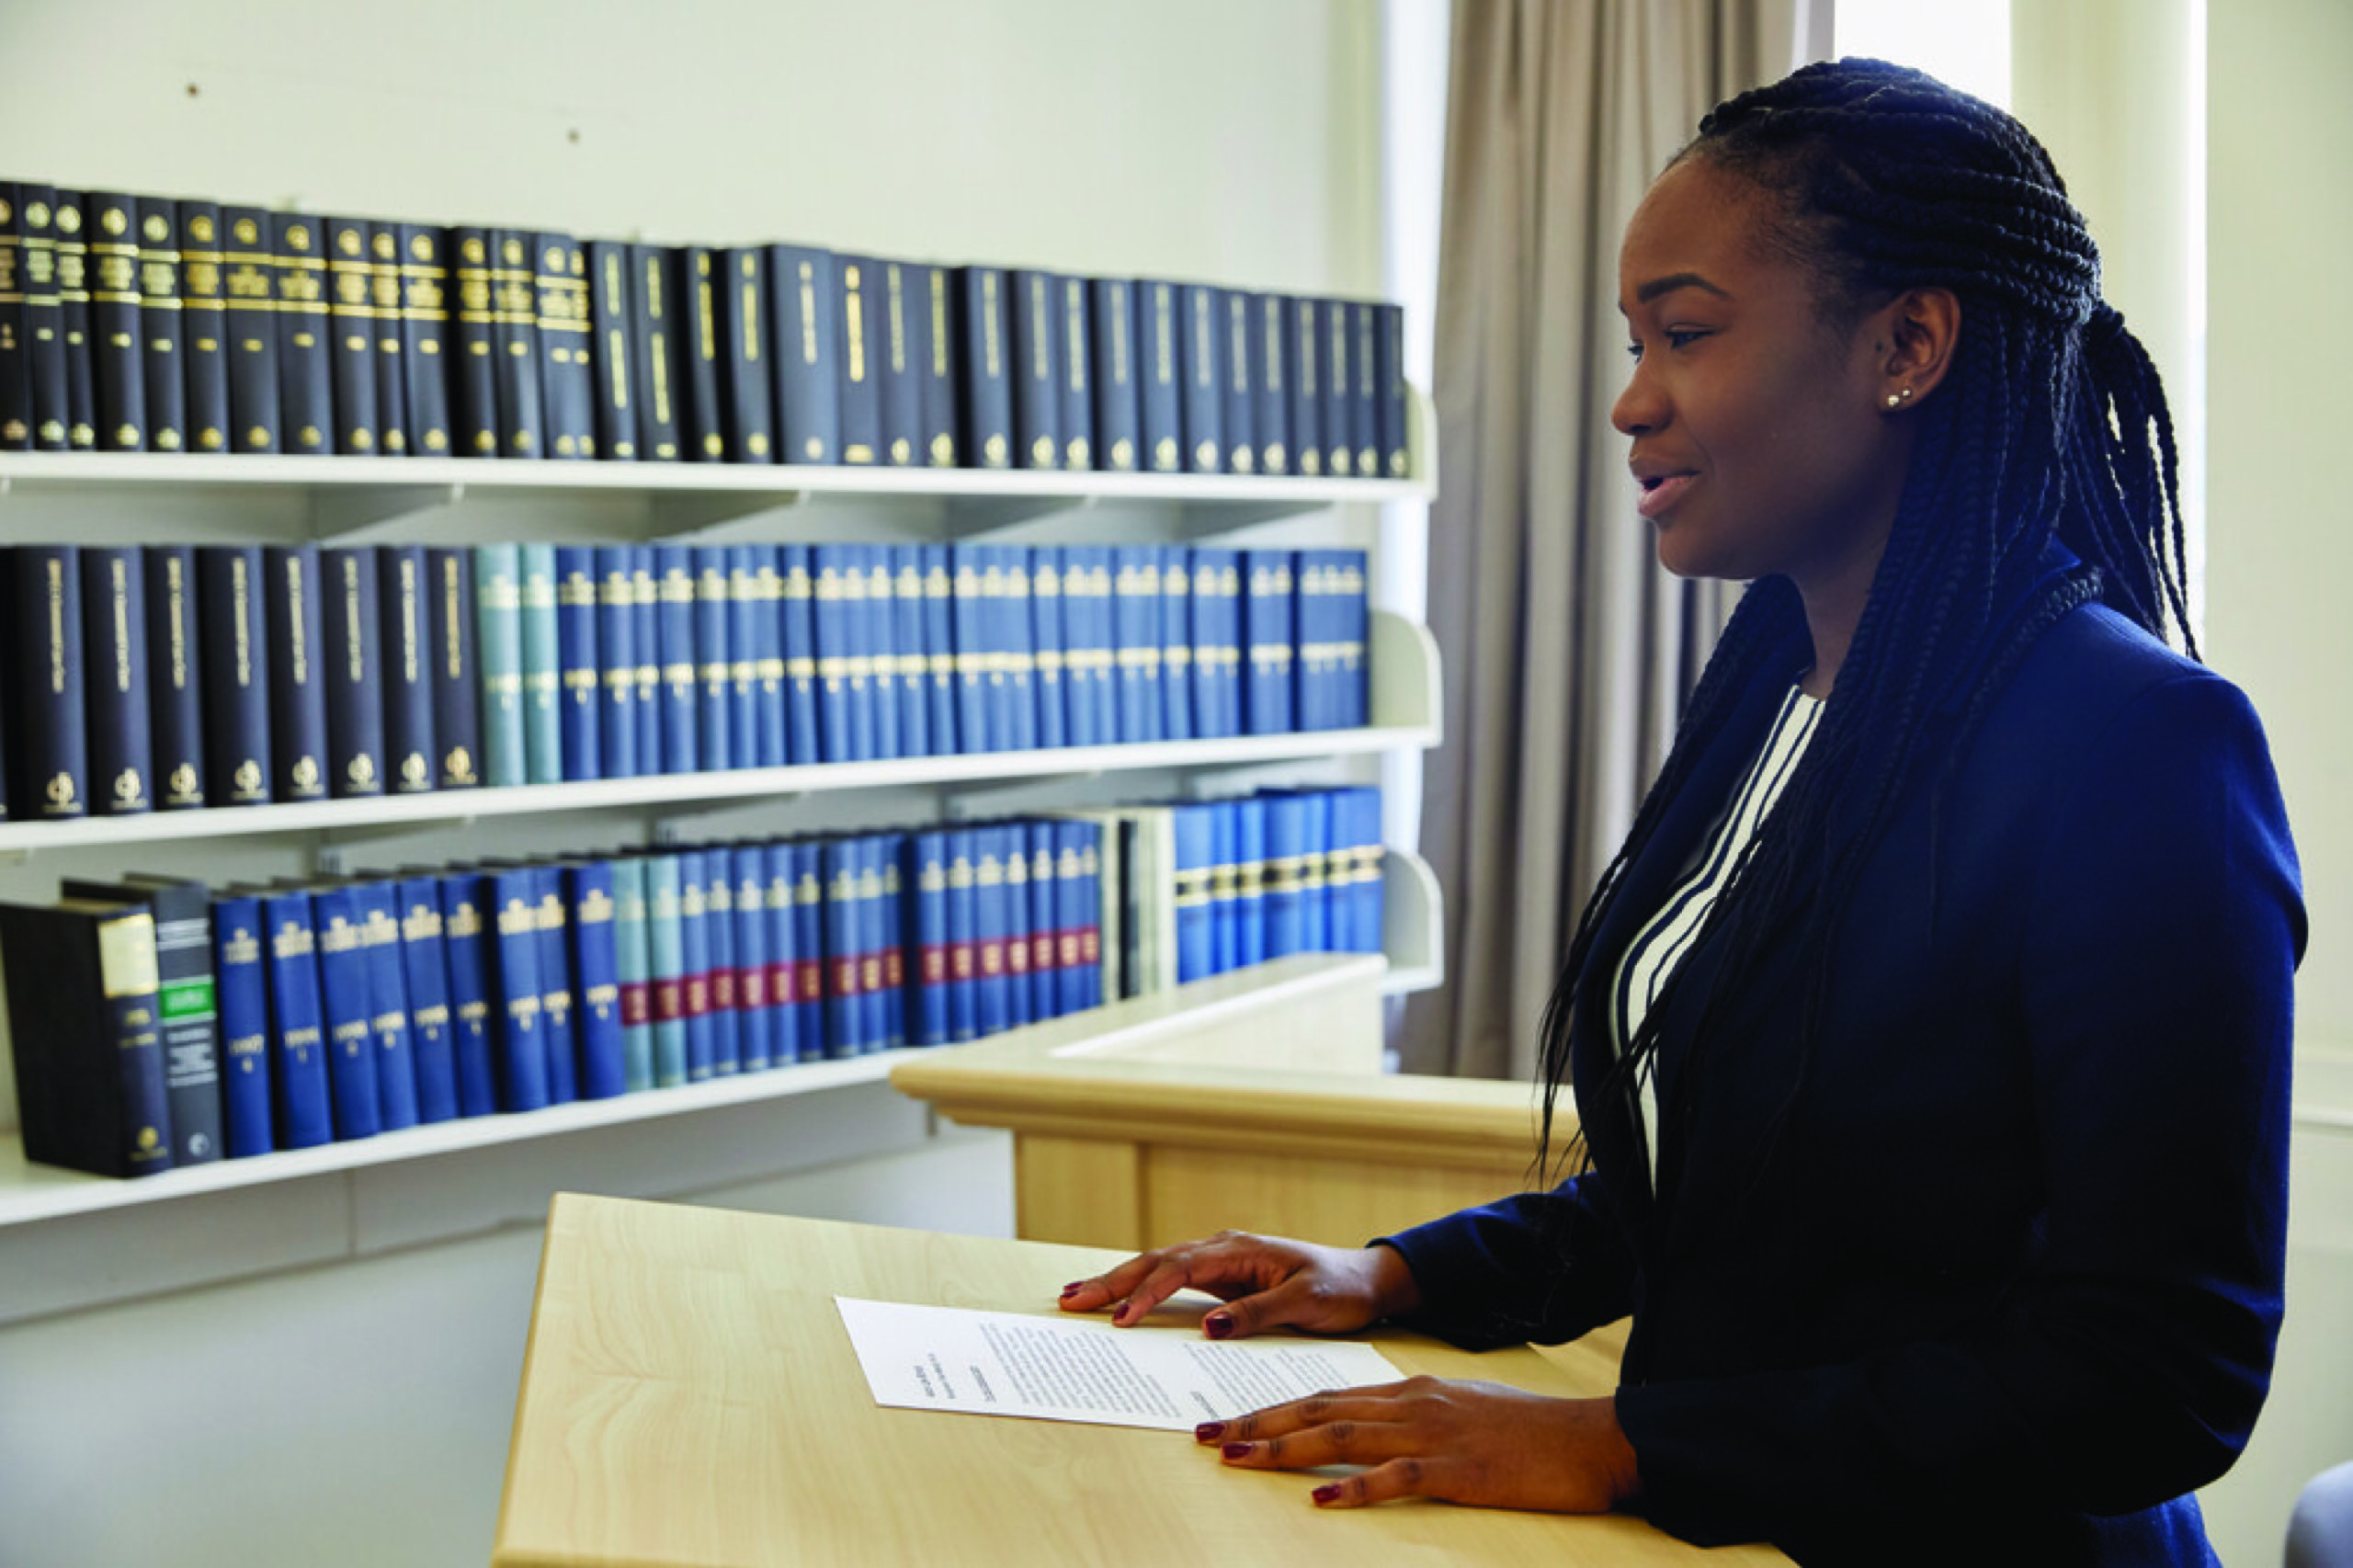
[(2051, 422)]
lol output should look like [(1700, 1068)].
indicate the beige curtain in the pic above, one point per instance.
[(1566, 649)]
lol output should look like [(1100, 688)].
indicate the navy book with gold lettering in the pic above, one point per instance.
[(902, 359), (352, 1091), (860, 378), (702, 413), (50, 743), (118, 363), (746, 345), (646, 618), (805, 358), (473, 352), (249, 281), (515, 990), (1200, 360), (467, 924), (204, 325), (1364, 392), (44, 318), (984, 344), (187, 1009), (516, 372), (425, 969), (714, 670), (579, 670), (1159, 340), (405, 622), (1117, 411), (561, 319), (1270, 414), (455, 667), (84, 1019), (15, 374), (1389, 383), (1075, 372), (242, 997), (770, 707), (384, 320), (656, 323), (559, 1031), (74, 274), (305, 364), (1339, 388), (1035, 369), (300, 1107), (617, 662), (292, 612), (114, 650), (612, 357), (351, 351), (1240, 415), (392, 1046), (175, 661), (160, 324), (229, 595), (942, 403), (678, 696), (802, 740), (1303, 335), (351, 654)]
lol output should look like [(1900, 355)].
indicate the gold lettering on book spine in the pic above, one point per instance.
[(854, 314)]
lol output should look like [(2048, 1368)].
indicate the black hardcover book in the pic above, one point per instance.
[(352, 656), (455, 674), (746, 343), (942, 410), (1200, 366), (298, 698), (117, 360), (161, 327), (250, 280), (404, 665), (1271, 414), (1303, 335), (50, 736), (1389, 383), (474, 355), (1159, 335), (305, 336), (428, 347), (351, 337), (175, 661), (114, 680), (1119, 412), (806, 359), (656, 322), (1241, 411), (902, 364), (984, 337), (860, 383), (74, 304), (1339, 386), (187, 1009), (567, 383), (44, 319), (1076, 374), (1035, 369), (515, 338), (1364, 390), (703, 415), (228, 594), (612, 362), (384, 319), (16, 372), (204, 327), (83, 1017)]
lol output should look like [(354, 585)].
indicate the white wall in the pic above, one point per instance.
[(356, 1408)]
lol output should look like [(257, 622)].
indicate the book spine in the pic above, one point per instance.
[(1238, 418), (15, 369), (561, 319), (747, 347), (665, 954), (963, 936), (204, 327), (1177, 719), (996, 654), (1015, 640), (703, 415), (655, 325), (783, 953), (428, 346), (891, 916), (542, 668), (1303, 335), (384, 321), (425, 969), (294, 623), (830, 634), (301, 1106), (1077, 968), (163, 349), (595, 967), (391, 1048), (188, 1013), (754, 1014), (938, 649), (351, 337), (1270, 636), (354, 1095), (877, 623), (991, 929), (44, 336), (1315, 875), (1310, 647), (1046, 642), (694, 948), (797, 606), (117, 362), (984, 337), (1339, 388), (1017, 934), (1364, 389), (914, 665), (612, 358), (1250, 880), (1045, 981), (474, 356), (74, 305), (806, 359), (353, 674), (969, 628), (714, 668), (455, 667), (1270, 414), (1136, 639), (927, 874), (617, 662), (1352, 612), (1074, 370), (1079, 673), (305, 366), (175, 676), (1117, 411), (1215, 578), (515, 372), (1225, 889), (243, 999), (1389, 386), (559, 1027), (943, 414), (1036, 369), (1159, 333), (859, 383), (725, 1010), (675, 643), (467, 922), (900, 362), (633, 973), (516, 992), (809, 947), (844, 1017), (770, 746), (230, 597), (1196, 862), (128, 985), (1201, 363), (579, 665), (404, 605), (114, 654), (743, 657), (498, 613)]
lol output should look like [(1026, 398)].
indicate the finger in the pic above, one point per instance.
[(1404, 1477), (1296, 1301), (1338, 1441), (1371, 1403)]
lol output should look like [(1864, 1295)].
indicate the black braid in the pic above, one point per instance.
[(2050, 422)]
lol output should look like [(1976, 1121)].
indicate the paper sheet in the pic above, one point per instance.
[(1081, 1369)]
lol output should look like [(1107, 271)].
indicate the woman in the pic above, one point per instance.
[(1929, 1035)]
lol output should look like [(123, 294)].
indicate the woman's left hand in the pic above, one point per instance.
[(1464, 1442)]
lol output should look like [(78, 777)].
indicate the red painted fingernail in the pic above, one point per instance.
[(1236, 1450), (1073, 1288), (1326, 1493), (1219, 1325), (1208, 1431)]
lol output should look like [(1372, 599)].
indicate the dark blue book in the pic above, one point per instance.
[(938, 649), (771, 748), (427, 342), (658, 330), (1136, 642), (1016, 639), (983, 341), (301, 1104), (1046, 644), (845, 1018), (1351, 619), (887, 850), (783, 985), (162, 319), (1284, 883), (927, 873), (680, 699), (1268, 639), (1238, 420), (44, 320), (1078, 962), (832, 640), (292, 590), (724, 1011), (1216, 584), (1336, 407), (1250, 880), (1020, 937), (796, 604), (405, 603), (118, 363), (1195, 835), (992, 930), (970, 627), (87, 1036), (1160, 368), (747, 391), (517, 992), (351, 330), (352, 678), (1225, 888), (562, 322), (391, 1045), (242, 997), (1201, 366), (1303, 335), (74, 303), (1045, 936), (114, 680), (1390, 424), (542, 668), (1370, 894), (859, 384), (392, 376), (187, 1009), (809, 949), (1177, 719), (474, 353), (902, 329), (913, 679), (939, 369), (343, 1000), (515, 372), (743, 657), (714, 666), (15, 379), (964, 935), (498, 643), (468, 936), (1315, 872), (1035, 368), (806, 362), (559, 1028), (1075, 586), (634, 969), (755, 1006), (1118, 408), (457, 668), (1364, 389), (617, 662), (229, 584), (1313, 645), (597, 977), (1267, 345), (297, 248), (645, 634), (204, 325), (580, 665), (878, 644), (1074, 370), (433, 1024), (666, 955), (612, 358), (694, 952)]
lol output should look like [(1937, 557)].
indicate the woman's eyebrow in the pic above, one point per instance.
[(1644, 293)]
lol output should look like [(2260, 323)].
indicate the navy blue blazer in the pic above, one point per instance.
[(2009, 1286)]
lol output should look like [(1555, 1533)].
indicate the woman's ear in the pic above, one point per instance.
[(1917, 333)]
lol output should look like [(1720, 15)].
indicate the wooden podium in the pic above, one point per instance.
[(689, 1397)]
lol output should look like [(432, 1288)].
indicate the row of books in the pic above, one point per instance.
[(171, 677), (138, 323), (158, 1023)]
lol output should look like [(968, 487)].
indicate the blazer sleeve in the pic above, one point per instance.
[(1541, 1268), (2126, 1360)]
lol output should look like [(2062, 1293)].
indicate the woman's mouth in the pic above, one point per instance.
[(1660, 492)]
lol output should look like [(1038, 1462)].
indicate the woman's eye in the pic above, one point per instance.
[(1683, 336), (1634, 352)]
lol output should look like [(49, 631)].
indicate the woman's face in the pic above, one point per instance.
[(1762, 439)]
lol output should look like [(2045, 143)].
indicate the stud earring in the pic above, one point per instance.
[(1898, 399)]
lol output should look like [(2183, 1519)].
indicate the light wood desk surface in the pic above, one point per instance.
[(689, 1397)]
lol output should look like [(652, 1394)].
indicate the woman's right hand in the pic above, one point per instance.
[(1265, 1281)]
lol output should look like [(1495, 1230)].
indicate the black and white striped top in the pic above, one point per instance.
[(1651, 958)]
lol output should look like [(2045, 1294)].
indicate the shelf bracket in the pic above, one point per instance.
[(332, 857), (675, 829), (689, 512), (993, 517), (337, 512), (965, 802)]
